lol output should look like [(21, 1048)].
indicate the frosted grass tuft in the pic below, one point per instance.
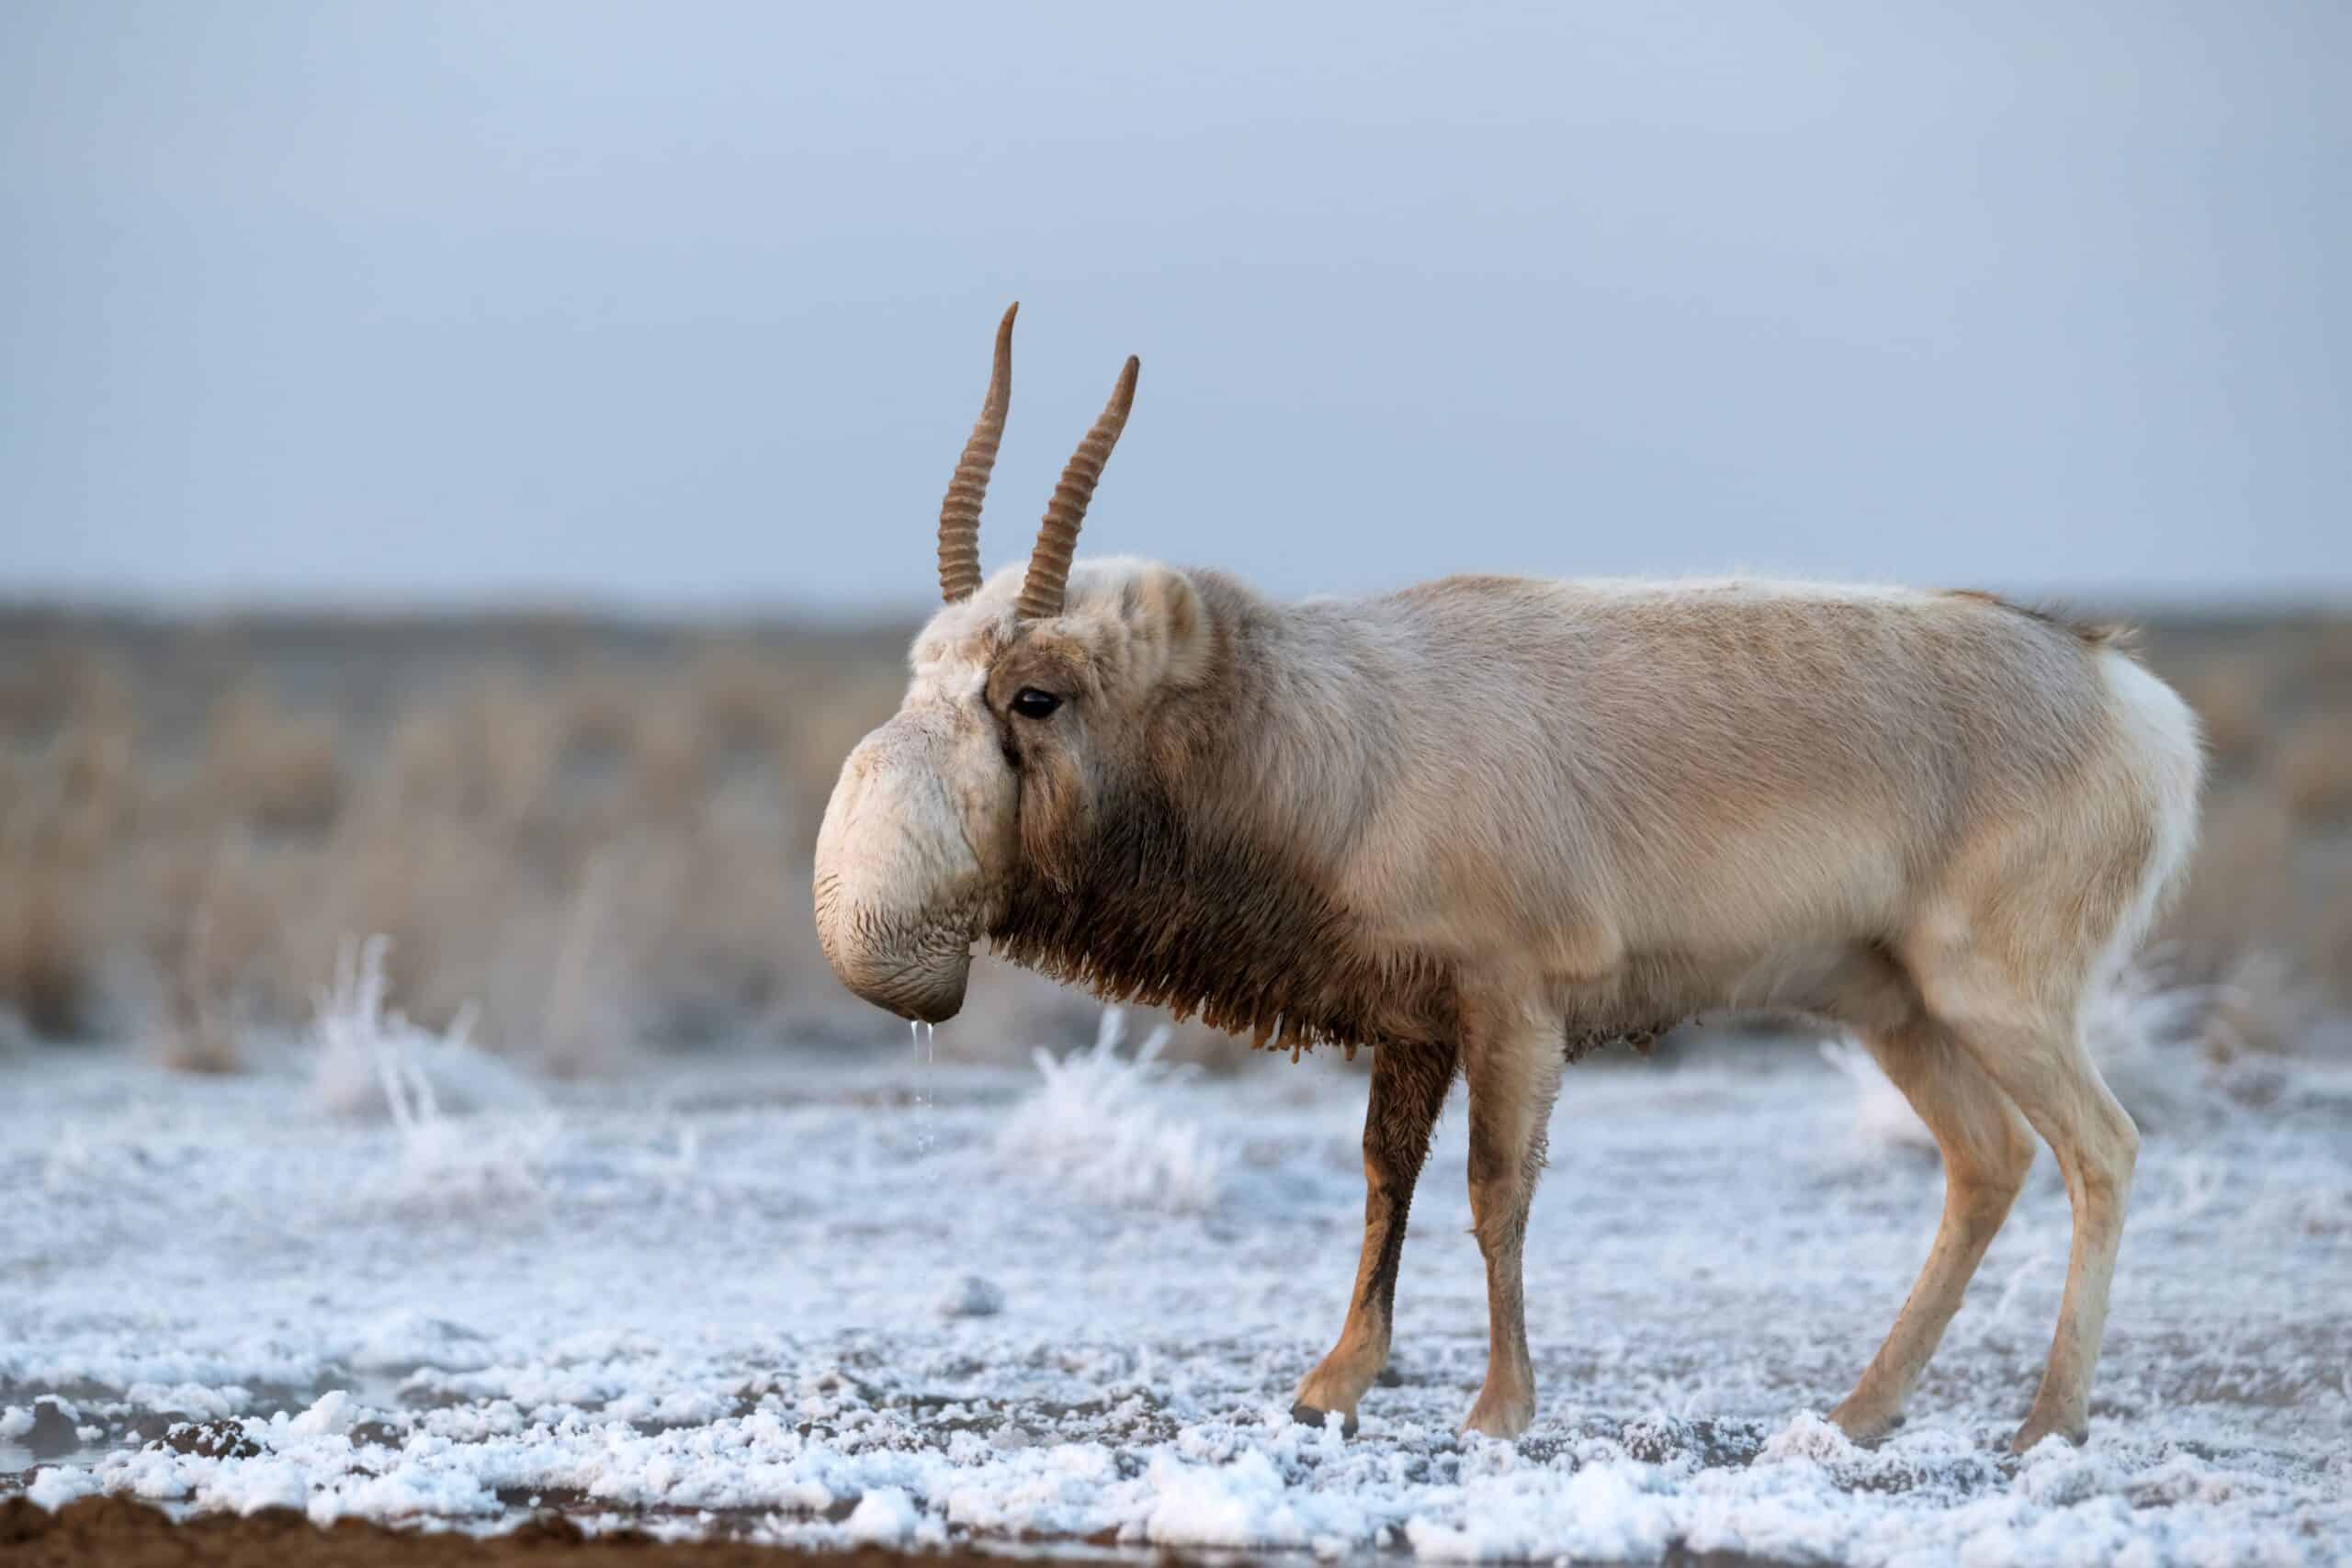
[(1097, 1128), (371, 1061)]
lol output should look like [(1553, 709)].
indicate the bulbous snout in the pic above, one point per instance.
[(899, 892)]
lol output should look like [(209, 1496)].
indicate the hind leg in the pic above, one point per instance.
[(2032, 1047), (1409, 1089), (2046, 1070), (1987, 1151)]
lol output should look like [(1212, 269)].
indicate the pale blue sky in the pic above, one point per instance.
[(689, 305)]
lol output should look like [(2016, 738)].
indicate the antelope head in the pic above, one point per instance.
[(1020, 690)]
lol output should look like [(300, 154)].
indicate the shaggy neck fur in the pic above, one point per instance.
[(1212, 908), (1169, 913)]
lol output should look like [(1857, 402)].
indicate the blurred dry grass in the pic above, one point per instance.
[(597, 834), (2267, 912)]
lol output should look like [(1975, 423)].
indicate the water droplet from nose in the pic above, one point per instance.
[(926, 1043)]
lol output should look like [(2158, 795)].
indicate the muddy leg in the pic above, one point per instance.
[(1987, 1151), (1514, 1077), (1409, 1088)]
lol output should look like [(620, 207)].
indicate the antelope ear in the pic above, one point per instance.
[(1167, 625)]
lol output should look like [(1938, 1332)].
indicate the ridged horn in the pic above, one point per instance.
[(959, 515), (1041, 589)]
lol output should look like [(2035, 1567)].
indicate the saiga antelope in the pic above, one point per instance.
[(1480, 823)]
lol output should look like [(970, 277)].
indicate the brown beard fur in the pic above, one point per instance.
[(1145, 907)]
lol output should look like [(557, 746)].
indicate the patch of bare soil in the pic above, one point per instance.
[(123, 1534), (119, 1533)]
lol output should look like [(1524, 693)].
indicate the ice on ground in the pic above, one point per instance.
[(739, 1298), (885, 1515), (971, 1296)]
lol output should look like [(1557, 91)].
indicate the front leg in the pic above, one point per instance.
[(1409, 1088), (1514, 1076)]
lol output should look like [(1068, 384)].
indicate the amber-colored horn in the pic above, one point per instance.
[(959, 515), (1040, 591)]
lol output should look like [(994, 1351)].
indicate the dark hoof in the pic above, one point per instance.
[(1307, 1416)]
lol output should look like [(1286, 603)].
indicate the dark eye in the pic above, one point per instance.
[(1031, 703)]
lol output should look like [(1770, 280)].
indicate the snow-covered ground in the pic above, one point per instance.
[(790, 1301)]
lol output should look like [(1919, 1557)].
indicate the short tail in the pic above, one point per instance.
[(2166, 756)]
